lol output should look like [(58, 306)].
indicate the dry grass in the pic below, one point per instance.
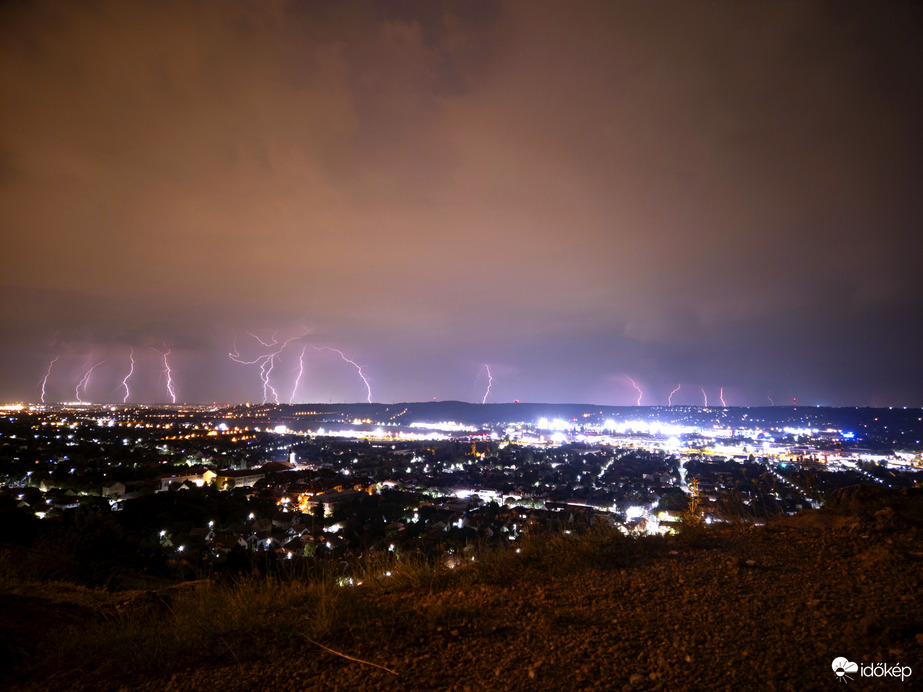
[(203, 623)]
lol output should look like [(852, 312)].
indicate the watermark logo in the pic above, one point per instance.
[(843, 667)]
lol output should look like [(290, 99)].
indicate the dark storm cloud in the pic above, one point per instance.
[(720, 194)]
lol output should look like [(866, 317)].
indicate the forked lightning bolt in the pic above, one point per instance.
[(262, 361), (670, 398), (266, 361), (86, 381), (706, 397), (721, 397), (291, 399), (265, 371), (269, 364), (637, 389), (167, 371), (47, 373), (166, 365), (268, 344), (490, 381), (354, 364), (131, 370)]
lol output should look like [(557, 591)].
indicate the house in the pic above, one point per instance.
[(195, 478), (115, 490), (276, 466), (261, 525), (226, 540), (128, 490), (282, 520), (66, 500), (333, 500), (244, 478)]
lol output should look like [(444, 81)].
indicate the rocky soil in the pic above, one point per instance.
[(758, 608)]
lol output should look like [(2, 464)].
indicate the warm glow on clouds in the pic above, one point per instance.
[(722, 195)]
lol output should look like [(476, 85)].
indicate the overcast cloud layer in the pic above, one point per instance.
[(712, 194)]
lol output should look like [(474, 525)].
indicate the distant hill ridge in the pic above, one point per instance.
[(900, 420)]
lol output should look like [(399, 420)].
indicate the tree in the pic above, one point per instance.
[(693, 517), (674, 500)]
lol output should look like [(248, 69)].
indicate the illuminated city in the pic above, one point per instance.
[(633, 464)]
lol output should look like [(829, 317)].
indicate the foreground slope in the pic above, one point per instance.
[(766, 608)]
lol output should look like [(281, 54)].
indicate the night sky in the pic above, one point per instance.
[(724, 194)]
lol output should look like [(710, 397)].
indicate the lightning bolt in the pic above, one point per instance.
[(670, 398), (131, 370), (270, 363), (266, 361), (263, 362), (265, 371), (706, 397), (45, 378), (300, 375), (85, 381), (769, 396), (269, 344), (167, 371), (235, 356), (637, 389), (490, 381), (721, 397), (354, 364)]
